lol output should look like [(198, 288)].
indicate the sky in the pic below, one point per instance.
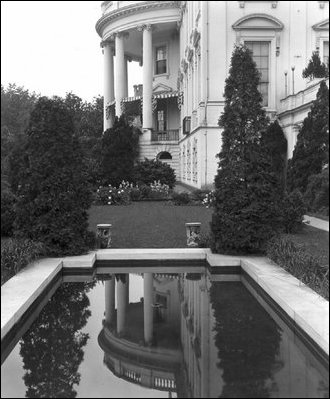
[(51, 48)]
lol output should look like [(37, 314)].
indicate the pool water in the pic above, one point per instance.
[(160, 335)]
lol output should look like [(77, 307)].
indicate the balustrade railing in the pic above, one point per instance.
[(166, 135)]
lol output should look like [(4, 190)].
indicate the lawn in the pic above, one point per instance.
[(149, 224), (316, 242)]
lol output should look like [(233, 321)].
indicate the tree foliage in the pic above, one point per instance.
[(315, 68), (53, 192), (246, 188), (16, 107), (311, 153), (119, 149), (274, 142)]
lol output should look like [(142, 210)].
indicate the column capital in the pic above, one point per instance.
[(143, 27), (107, 42), (123, 34)]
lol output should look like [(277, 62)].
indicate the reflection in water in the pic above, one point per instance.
[(248, 342), (178, 334), (52, 349)]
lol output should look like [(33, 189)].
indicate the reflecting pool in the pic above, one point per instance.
[(154, 334)]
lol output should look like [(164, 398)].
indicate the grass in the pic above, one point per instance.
[(315, 241), (149, 224)]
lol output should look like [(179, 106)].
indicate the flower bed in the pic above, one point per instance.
[(128, 192)]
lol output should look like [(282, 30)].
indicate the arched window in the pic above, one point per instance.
[(164, 155)]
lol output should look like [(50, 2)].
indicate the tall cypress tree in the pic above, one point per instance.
[(311, 152), (245, 211), (53, 194)]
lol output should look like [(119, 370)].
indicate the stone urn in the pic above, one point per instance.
[(103, 235), (193, 231)]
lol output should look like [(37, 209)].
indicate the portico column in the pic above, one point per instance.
[(147, 81), (147, 307), (121, 304), (120, 72), (108, 83), (125, 77), (110, 300)]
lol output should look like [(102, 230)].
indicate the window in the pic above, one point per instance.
[(326, 53), (186, 125), (161, 122), (260, 54), (161, 60)]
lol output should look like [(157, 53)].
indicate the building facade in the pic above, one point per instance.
[(184, 48)]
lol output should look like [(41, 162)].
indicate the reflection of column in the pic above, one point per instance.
[(147, 307), (147, 78), (204, 339), (120, 72), (122, 289), (108, 83), (110, 300)]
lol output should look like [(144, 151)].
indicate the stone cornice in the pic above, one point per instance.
[(133, 9)]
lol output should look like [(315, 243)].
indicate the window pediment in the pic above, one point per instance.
[(323, 25), (259, 22)]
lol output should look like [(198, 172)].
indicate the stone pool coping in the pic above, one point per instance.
[(305, 307)]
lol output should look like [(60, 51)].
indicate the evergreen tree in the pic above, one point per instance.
[(315, 68), (311, 153), (119, 151), (274, 142), (53, 194), (246, 189)]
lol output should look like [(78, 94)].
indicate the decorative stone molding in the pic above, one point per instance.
[(133, 9), (142, 27), (258, 22), (242, 3), (184, 65), (195, 37), (180, 100), (190, 55)]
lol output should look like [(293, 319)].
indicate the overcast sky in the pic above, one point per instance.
[(51, 47)]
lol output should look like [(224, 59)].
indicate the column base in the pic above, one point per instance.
[(146, 135)]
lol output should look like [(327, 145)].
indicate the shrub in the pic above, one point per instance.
[(198, 196), (292, 211), (296, 260), (158, 190), (209, 199), (152, 170), (136, 193), (54, 197), (182, 198), (16, 254), (119, 150), (145, 190), (8, 201), (110, 195), (317, 193)]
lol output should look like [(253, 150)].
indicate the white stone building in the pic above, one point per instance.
[(184, 48)]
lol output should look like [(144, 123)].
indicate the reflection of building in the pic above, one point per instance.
[(197, 337), (138, 338), (184, 48)]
